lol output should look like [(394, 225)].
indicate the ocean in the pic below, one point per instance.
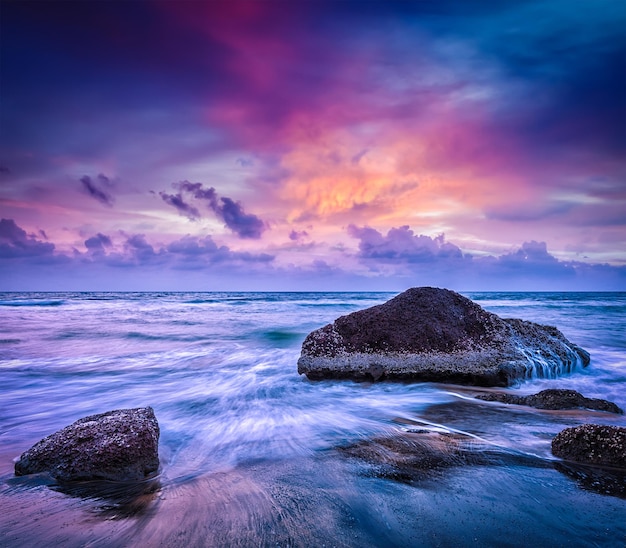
[(249, 449)]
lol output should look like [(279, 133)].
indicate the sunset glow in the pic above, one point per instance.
[(313, 145)]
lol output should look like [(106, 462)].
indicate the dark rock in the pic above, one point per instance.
[(430, 334), (120, 445), (594, 444), (554, 398)]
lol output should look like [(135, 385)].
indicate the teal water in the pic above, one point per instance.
[(248, 447)]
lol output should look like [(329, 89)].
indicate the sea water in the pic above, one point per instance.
[(248, 447)]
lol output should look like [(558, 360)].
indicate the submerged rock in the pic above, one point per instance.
[(431, 334), (416, 454), (120, 445), (409, 455), (554, 398), (594, 444)]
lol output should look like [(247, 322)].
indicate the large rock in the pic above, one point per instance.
[(120, 445), (554, 398), (594, 444), (430, 334)]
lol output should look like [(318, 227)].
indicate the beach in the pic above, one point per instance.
[(250, 450)]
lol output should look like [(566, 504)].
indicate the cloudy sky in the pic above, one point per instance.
[(313, 145)]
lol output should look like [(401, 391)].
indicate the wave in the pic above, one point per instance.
[(280, 337), (32, 303), (172, 337)]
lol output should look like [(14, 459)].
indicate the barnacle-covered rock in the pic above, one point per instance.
[(594, 444), (432, 334), (120, 445), (554, 398)]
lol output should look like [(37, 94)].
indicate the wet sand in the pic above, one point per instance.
[(324, 500)]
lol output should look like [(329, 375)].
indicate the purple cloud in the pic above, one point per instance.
[(533, 260), (14, 242), (422, 260), (189, 246), (245, 225), (195, 253), (536, 252), (394, 260), (296, 235), (96, 191), (198, 191), (401, 244), (177, 201), (98, 242), (139, 248)]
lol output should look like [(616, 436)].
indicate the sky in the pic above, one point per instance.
[(312, 145)]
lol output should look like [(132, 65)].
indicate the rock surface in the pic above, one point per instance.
[(431, 334), (555, 398), (594, 444), (120, 445)]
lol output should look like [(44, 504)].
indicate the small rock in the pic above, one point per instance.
[(592, 444), (120, 445), (554, 398)]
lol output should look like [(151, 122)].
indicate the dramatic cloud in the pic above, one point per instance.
[(494, 123), (95, 188), (245, 225)]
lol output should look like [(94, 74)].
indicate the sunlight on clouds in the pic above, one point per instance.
[(337, 178)]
